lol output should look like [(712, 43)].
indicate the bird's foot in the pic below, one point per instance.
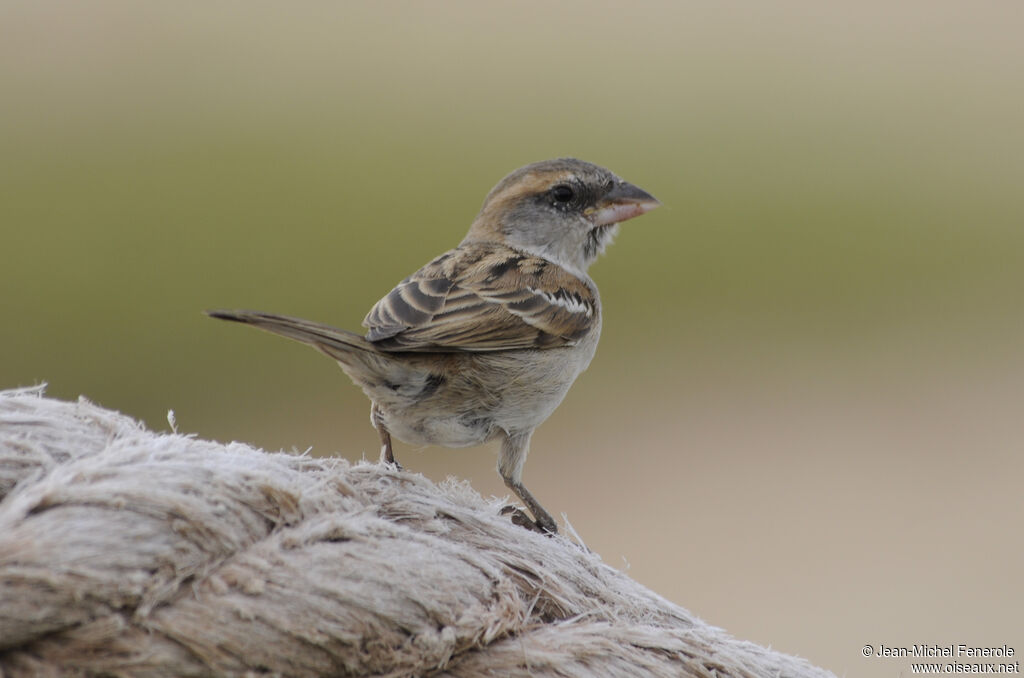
[(519, 517), (391, 463)]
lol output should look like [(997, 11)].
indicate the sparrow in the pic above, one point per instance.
[(483, 342)]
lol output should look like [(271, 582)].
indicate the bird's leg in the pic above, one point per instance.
[(510, 465), (387, 455)]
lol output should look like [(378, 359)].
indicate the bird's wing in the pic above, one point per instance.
[(481, 297)]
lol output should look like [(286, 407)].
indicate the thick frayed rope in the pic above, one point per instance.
[(128, 552)]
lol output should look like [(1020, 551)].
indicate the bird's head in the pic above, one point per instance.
[(565, 210)]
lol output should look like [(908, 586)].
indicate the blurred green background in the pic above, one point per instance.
[(805, 420)]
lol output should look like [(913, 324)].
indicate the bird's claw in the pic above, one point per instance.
[(519, 517)]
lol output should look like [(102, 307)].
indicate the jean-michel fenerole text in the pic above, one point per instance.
[(960, 650)]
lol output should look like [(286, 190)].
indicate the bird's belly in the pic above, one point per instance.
[(484, 395), (439, 430)]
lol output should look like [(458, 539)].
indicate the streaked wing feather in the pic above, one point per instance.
[(410, 304), (483, 298)]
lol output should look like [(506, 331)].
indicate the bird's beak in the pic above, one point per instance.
[(623, 202)]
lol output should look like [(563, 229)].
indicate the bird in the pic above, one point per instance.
[(483, 342)]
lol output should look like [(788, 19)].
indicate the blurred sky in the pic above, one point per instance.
[(805, 419)]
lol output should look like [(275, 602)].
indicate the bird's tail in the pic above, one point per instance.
[(334, 342)]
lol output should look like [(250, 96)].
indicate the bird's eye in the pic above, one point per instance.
[(563, 193)]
